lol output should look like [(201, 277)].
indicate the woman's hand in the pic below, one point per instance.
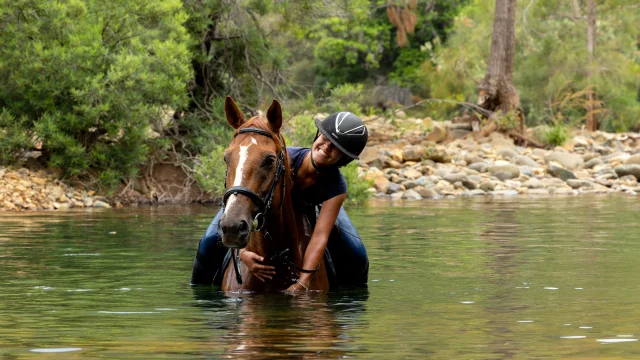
[(297, 287), (252, 260)]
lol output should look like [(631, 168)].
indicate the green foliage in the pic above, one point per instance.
[(556, 135), (300, 131), (13, 139), (88, 77), (550, 57), (358, 193), (210, 170)]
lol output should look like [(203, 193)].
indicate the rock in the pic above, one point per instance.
[(564, 191), (526, 170), (633, 159), (480, 166), (38, 181), (538, 192), (395, 178), (453, 178), (504, 172), (499, 141), (561, 173), (487, 186), (390, 163), (101, 204), (504, 193), (469, 184), (7, 205), (631, 169), (604, 182), (412, 174), (567, 160), (56, 192), (459, 133), (411, 195), (593, 162), (400, 114), (394, 188), (438, 133), (63, 198), (88, 202), (397, 195), (578, 183), (533, 183), (475, 192), (397, 155), (525, 160), (414, 153), (371, 155), (428, 193), (472, 158), (438, 154), (507, 153)]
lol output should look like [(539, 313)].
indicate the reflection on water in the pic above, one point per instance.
[(463, 278)]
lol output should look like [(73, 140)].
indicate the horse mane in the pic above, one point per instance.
[(263, 124)]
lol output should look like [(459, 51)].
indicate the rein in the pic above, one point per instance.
[(263, 203)]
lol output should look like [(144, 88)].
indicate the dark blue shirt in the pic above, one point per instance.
[(330, 183)]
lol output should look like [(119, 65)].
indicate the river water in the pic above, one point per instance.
[(451, 279)]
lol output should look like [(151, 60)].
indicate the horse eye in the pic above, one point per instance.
[(268, 161)]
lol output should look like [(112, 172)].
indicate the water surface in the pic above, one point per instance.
[(461, 278)]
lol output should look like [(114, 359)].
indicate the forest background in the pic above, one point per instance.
[(103, 90)]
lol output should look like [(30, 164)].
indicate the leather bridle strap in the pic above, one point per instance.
[(263, 204)]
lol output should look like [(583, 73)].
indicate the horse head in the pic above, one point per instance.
[(257, 165)]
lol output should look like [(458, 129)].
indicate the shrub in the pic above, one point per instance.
[(556, 135), (88, 78), (358, 193)]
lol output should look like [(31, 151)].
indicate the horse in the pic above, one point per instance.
[(258, 210)]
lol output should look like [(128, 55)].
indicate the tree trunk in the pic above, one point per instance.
[(592, 122), (496, 91)]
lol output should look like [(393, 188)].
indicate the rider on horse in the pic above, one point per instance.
[(319, 190)]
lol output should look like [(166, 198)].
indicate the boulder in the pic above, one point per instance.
[(381, 184), (504, 172), (525, 160), (438, 154), (633, 159), (427, 193), (438, 133), (414, 153), (567, 160), (481, 167), (412, 174), (560, 172), (507, 153), (455, 177), (630, 169), (593, 162), (579, 183), (395, 188), (411, 195)]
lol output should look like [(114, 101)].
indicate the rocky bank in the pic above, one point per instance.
[(448, 162)]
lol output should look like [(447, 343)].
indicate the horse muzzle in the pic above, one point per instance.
[(235, 232)]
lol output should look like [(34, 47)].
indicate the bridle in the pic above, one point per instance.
[(264, 204)]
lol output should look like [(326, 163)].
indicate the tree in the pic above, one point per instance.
[(84, 80), (496, 92), (592, 124)]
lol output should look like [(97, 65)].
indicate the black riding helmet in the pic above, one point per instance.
[(346, 132)]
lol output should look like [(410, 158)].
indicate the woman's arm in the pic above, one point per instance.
[(318, 243)]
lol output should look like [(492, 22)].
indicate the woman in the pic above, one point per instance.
[(340, 139)]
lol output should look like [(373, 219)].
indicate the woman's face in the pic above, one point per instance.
[(324, 153)]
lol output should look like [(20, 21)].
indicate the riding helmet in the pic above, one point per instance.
[(346, 132)]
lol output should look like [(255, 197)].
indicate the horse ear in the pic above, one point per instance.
[(234, 115), (274, 115)]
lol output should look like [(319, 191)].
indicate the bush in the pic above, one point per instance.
[(88, 78), (556, 135), (358, 193)]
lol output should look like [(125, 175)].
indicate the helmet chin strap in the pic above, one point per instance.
[(313, 163)]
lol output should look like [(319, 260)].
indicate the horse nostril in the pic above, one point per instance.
[(243, 227)]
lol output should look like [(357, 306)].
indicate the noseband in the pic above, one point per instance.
[(264, 204)]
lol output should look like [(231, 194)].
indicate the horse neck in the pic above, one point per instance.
[(282, 227)]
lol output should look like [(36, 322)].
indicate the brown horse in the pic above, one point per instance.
[(259, 214)]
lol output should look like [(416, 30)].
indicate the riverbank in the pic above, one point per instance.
[(449, 162), (406, 158)]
